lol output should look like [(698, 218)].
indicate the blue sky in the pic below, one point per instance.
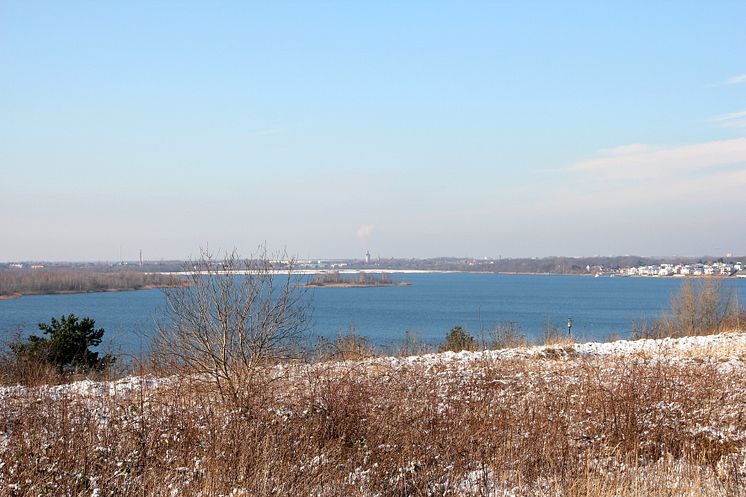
[(425, 129)]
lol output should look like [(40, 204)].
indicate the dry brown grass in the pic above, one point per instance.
[(30, 371), (581, 426)]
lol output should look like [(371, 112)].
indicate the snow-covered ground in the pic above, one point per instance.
[(726, 350)]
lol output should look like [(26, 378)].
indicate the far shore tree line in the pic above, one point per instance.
[(14, 283), (530, 265)]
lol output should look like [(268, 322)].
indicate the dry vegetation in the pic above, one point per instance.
[(556, 422), (335, 279), (702, 307), (35, 282), (227, 408)]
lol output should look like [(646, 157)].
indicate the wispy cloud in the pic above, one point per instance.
[(636, 162), (364, 232), (732, 120), (591, 200), (736, 80), (684, 191), (628, 149)]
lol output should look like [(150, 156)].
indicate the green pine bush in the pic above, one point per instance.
[(458, 339), (66, 345)]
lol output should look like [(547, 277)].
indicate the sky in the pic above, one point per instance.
[(410, 129)]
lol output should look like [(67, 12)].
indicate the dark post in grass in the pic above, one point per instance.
[(569, 326)]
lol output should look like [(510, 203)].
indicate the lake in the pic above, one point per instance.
[(432, 305)]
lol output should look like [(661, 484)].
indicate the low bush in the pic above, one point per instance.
[(411, 345), (699, 307), (66, 345), (346, 346), (506, 335), (458, 339), (552, 335)]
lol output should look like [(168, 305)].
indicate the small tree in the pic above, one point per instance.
[(236, 317), (698, 308), (66, 345), (458, 339)]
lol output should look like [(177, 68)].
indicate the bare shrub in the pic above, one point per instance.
[(347, 345), (553, 335), (506, 335), (411, 345), (237, 317), (26, 370), (699, 308)]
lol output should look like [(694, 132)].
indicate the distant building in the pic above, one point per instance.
[(367, 257), (695, 269)]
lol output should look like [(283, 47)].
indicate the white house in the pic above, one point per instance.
[(665, 270)]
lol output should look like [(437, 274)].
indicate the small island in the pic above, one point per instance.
[(334, 279)]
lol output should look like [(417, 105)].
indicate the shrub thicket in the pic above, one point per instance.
[(65, 346), (458, 339), (701, 307)]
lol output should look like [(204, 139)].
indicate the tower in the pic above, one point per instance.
[(367, 257)]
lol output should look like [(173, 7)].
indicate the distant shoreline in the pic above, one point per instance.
[(17, 295), (183, 283)]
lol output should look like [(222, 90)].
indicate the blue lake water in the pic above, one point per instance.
[(432, 305)]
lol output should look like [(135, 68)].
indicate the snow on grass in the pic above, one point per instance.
[(728, 350), (628, 413), (90, 388)]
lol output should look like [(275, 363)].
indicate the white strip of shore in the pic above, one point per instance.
[(239, 272)]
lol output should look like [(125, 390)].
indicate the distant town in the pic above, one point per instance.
[(714, 269)]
